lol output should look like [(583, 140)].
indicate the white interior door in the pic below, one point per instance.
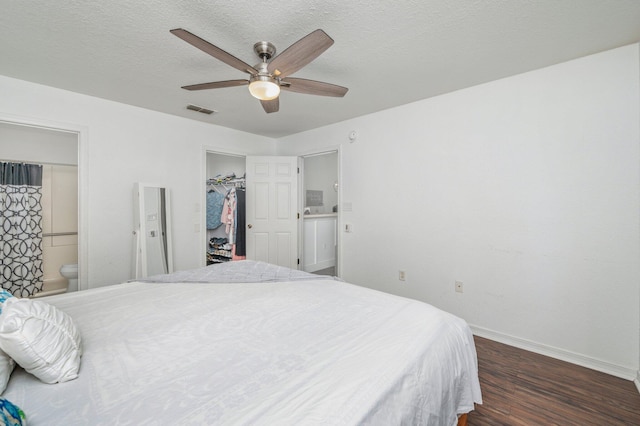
[(272, 210)]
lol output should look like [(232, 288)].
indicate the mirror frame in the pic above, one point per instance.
[(140, 230)]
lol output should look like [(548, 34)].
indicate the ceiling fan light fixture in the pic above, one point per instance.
[(264, 88)]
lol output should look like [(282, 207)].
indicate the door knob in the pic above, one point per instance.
[(249, 226)]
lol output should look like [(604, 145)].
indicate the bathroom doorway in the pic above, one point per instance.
[(320, 214), (57, 152)]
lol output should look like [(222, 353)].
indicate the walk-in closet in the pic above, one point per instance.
[(225, 208)]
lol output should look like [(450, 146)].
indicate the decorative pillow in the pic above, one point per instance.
[(10, 414), (4, 295), (6, 363), (41, 339)]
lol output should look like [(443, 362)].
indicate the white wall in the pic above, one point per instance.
[(218, 164), (26, 143), (122, 145), (526, 189)]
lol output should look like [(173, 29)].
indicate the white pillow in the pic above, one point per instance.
[(6, 363), (41, 339), (6, 368)]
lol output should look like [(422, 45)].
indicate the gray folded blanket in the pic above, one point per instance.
[(241, 271)]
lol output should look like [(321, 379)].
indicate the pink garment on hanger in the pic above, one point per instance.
[(224, 217), (234, 256), (229, 214)]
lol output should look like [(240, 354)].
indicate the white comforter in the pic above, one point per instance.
[(288, 353)]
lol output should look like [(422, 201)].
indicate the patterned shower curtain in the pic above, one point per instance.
[(21, 228)]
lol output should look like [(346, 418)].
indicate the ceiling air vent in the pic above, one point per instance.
[(200, 109)]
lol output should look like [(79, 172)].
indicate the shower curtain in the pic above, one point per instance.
[(21, 228)]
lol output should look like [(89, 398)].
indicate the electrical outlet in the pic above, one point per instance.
[(401, 275), (459, 287)]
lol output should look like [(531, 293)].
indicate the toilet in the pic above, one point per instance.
[(70, 272)]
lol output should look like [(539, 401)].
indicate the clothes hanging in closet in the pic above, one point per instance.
[(240, 251), (229, 214), (215, 203)]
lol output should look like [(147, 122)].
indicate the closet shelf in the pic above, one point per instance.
[(223, 253), (236, 181)]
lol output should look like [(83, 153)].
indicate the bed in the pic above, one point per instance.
[(250, 343)]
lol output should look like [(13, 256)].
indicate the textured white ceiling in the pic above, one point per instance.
[(387, 53)]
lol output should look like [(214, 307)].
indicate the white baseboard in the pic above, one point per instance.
[(561, 354), (49, 293), (323, 264)]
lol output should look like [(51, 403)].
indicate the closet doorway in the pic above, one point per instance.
[(225, 207), (57, 151), (320, 213)]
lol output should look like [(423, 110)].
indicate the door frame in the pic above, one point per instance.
[(83, 182)]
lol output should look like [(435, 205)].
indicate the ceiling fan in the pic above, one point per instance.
[(272, 73)]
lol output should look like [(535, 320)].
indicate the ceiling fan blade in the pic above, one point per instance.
[(271, 106), (313, 87), (300, 54), (216, 85), (214, 51)]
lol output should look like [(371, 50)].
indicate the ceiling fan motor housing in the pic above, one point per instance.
[(264, 50)]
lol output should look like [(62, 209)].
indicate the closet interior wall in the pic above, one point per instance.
[(221, 165)]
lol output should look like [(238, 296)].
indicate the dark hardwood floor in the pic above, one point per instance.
[(524, 388)]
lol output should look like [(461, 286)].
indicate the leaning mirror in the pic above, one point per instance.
[(152, 232)]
